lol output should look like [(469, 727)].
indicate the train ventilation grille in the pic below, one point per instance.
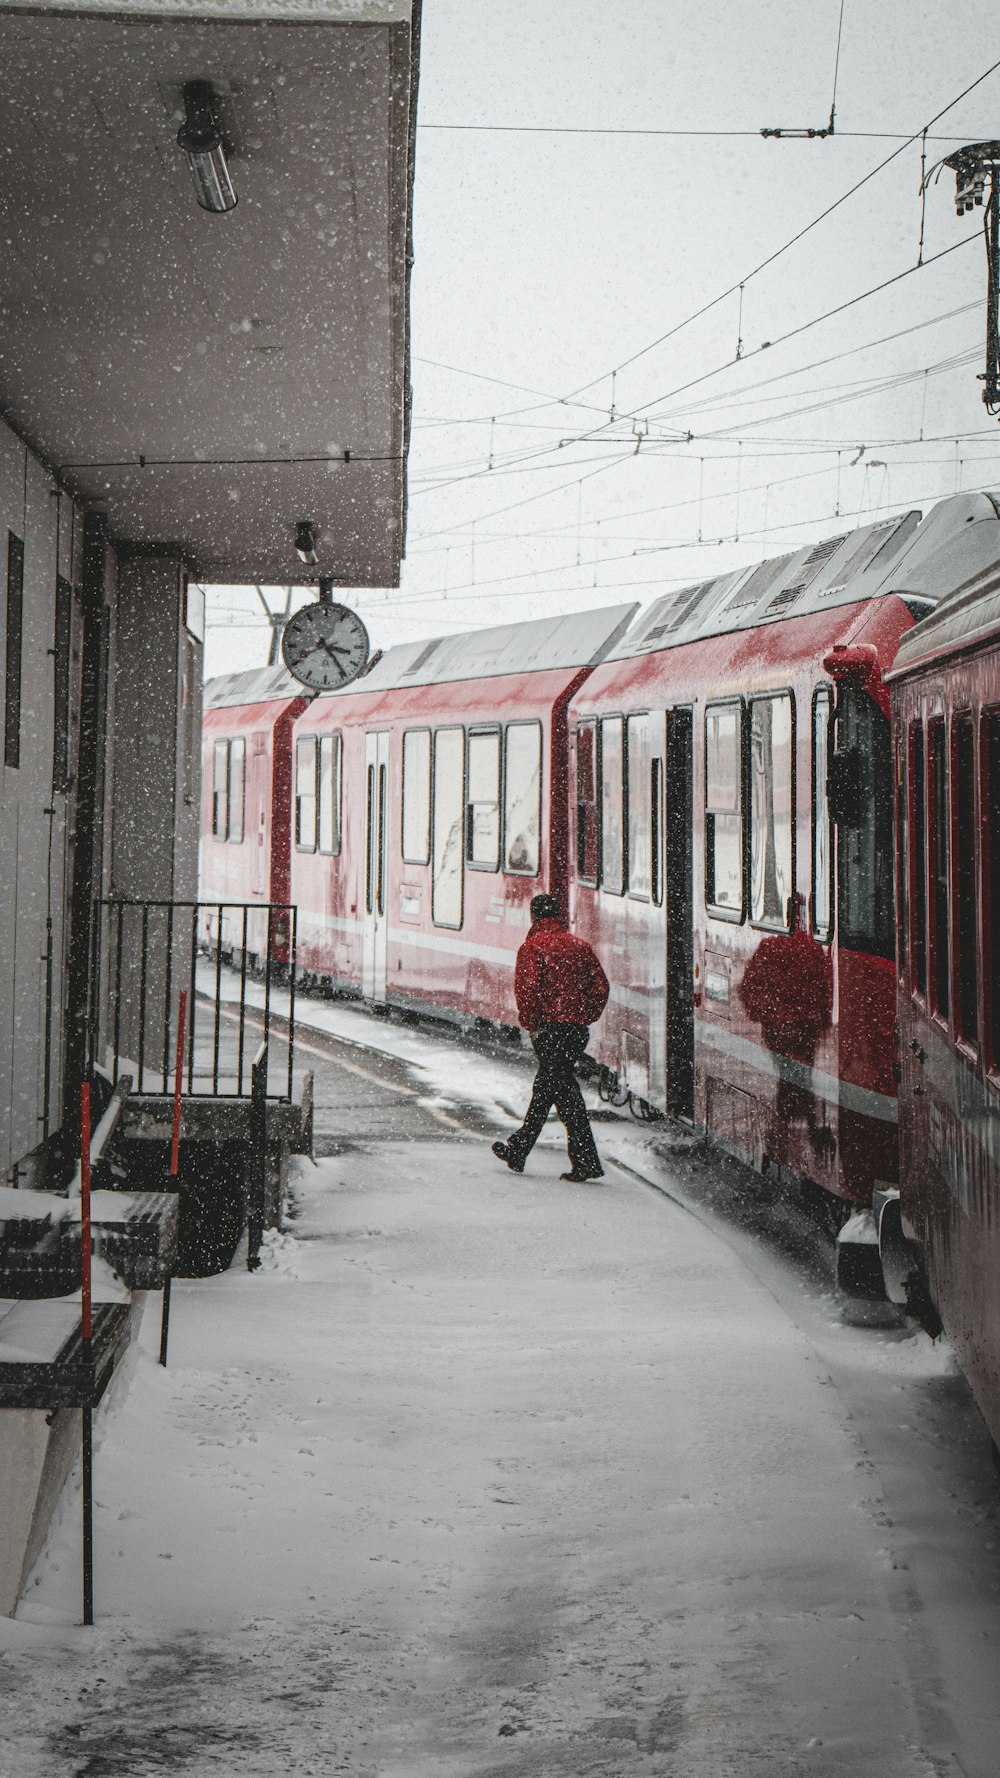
[(865, 553), (760, 580), (808, 572), (685, 603)]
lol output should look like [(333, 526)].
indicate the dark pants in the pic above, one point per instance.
[(558, 1048)]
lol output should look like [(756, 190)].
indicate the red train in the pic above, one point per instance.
[(709, 785), (732, 831), (945, 689), (415, 813), (246, 842)]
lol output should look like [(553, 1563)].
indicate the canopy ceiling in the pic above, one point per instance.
[(208, 380)]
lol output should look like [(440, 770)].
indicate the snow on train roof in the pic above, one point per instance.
[(918, 557), (261, 685), (969, 612), (543, 645)]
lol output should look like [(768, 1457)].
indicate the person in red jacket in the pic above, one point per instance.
[(560, 989)]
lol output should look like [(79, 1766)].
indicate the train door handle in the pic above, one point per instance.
[(918, 1051)]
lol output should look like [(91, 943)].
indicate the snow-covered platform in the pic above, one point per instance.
[(486, 1474)]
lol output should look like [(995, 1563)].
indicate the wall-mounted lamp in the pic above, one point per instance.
[(305, 542), (201, 139)]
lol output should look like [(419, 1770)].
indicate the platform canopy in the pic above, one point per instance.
[(209, 380)]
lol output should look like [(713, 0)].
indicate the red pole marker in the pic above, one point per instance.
[(175, 1145), (85, 1299)]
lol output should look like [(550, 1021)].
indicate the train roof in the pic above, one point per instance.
[(261, 685), (545, 644), (919, 558), (967, 615)]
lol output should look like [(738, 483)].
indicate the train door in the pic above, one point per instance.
[(680, 915), (260, 801), (657, 959), (376, 925)]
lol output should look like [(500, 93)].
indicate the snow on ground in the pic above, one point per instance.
[(480, 1475), (488, 1475)]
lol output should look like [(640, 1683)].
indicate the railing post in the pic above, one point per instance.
[(87, 1329), (257, 1182)]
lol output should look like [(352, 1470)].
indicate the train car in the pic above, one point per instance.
[(732, 838), (245, 854), (430, 806), (945, 690)]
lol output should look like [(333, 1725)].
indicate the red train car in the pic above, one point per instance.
[(733, 846), (946, 735), (247, 798), (430, 806)]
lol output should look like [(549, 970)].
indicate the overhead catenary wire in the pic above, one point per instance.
[(793, 240), (480, 586), (778, 376), (796, 332), (555, 129), (599, 433), (565, 533)]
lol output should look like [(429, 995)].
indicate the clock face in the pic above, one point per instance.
[(326, 646)]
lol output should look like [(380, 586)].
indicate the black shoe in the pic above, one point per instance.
[(505, 1153), (578, 1178)]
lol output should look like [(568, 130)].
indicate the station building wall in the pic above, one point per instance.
[(100, 717)]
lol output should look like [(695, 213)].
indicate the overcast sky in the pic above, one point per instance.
[(550, 255)]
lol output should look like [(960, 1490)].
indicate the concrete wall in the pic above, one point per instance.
[(155, 799), (146, 795), (35, 836)]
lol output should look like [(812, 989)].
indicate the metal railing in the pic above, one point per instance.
[(236, 963)]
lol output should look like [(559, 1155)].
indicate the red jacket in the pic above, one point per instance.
[(557, 978)]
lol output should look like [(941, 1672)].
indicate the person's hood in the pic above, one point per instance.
[(551, 923)]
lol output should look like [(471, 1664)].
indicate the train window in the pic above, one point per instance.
[(938, 772), (305, 793), (329, 793), (822, 850), (482, 809), (220, 790), (990, 829), (724, 811), (917, 860), (237, 789), (587, 824), (448, 821), (866, 911), (966, 947), (61, 642), (638, 800), (772, 790), (417, 796), (522, 798), (613, 805), (15, 632)]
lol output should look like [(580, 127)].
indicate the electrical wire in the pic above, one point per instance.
[(538, 129), (601, 433), (795, 332), (791, 242)]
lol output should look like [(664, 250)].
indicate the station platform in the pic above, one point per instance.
[(490, 1474)]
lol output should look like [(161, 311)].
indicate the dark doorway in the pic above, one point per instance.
[(680, 941)]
